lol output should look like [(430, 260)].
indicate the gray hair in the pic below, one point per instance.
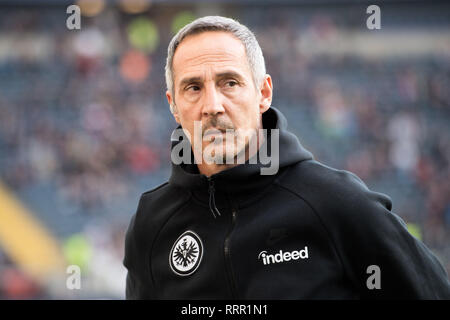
[(254, 53)]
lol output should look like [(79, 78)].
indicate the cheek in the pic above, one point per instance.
[(247, 109), (249, 115), (188, 113), (185, 121)]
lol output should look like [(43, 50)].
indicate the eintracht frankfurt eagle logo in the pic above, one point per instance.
[(186, 254)]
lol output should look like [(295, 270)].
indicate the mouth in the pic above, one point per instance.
[(214, 132)]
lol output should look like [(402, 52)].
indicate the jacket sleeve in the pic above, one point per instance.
[(381, 257), (138, 282)]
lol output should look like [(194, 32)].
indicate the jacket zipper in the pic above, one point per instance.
[(227, 252), (212, 198), (216, 212)]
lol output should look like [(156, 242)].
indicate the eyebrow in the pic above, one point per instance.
[(189, 80), (229, 74), (221, 75)]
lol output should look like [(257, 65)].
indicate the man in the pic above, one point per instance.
[(229, 230)]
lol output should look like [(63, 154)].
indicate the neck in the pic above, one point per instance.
[(210, 169)]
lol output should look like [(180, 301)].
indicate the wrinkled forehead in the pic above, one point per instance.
[(217, 49)]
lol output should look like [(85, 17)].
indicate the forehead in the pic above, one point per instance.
[(215, 49)]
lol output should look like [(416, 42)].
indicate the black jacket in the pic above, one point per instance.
[(307, 232)]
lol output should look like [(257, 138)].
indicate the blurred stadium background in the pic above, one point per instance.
[(85, 126)]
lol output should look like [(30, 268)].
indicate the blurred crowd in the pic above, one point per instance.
[(84, 113)]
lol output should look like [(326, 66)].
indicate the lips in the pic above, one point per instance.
[(213, 132)]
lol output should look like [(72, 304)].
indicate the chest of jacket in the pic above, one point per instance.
[(275, 247)]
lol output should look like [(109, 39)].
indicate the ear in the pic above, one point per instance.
[(173, 108), (266, 90)]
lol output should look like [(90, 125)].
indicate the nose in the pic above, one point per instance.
[(212, 103)]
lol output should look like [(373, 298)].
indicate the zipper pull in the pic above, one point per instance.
[(212, 199)]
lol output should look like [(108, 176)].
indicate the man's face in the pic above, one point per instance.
[(213, 84)]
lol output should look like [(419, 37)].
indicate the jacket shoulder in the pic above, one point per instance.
[(161, 186), (324, 186), (155, 207)]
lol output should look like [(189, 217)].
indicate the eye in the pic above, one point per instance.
[(231, 83), (192, 88)]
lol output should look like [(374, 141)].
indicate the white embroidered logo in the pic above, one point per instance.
[(283, 256), (186, 254)]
